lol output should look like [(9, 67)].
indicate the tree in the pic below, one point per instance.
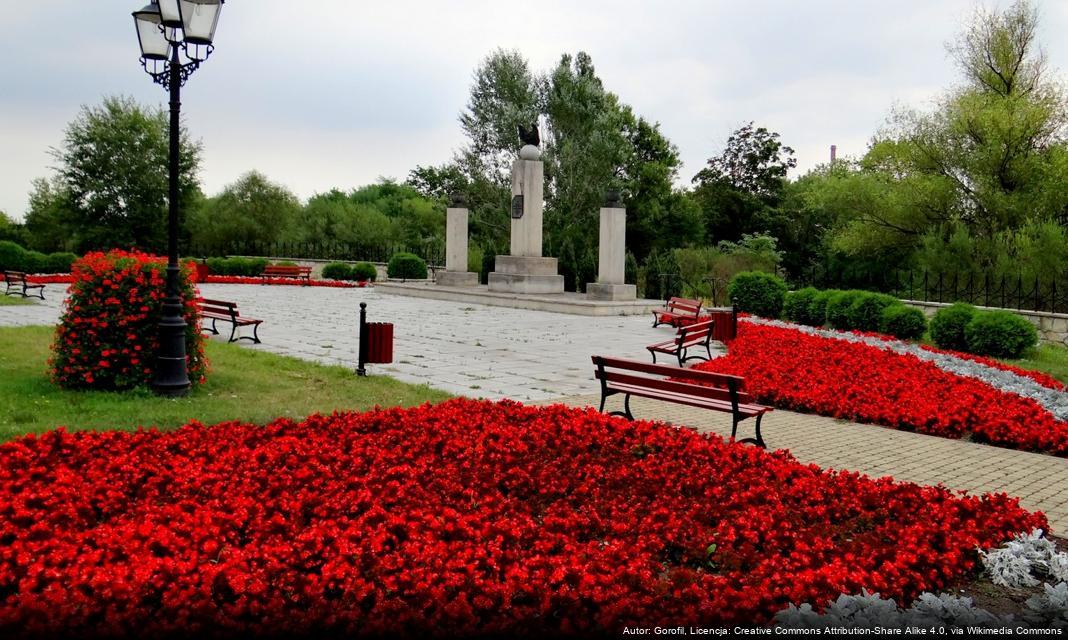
[(11, 230), (743, 182), (252, 210), (584, 152), (990, 160), (113, 168), (48, 217), (659, 216)]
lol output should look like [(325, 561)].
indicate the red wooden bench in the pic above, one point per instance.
[(227, 312), (286, 271), (18, 280), (704, 389), (695, 335), (679, 311)]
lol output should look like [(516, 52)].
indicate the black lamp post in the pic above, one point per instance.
[(175, 37)]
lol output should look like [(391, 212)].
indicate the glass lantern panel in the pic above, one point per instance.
[(199, 18), (154, 45), (170, 12)]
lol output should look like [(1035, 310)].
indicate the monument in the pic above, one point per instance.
[(612, 254), (456, 273), (525, 270)]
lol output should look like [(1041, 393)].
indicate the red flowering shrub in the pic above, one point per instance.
[(108, 335), (465, 517), (793, 370), (55, 278)]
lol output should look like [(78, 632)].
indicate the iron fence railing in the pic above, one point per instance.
[(1004, 291)]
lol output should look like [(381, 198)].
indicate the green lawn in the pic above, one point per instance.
[(1048, 358), (242, 385), (10, 301)]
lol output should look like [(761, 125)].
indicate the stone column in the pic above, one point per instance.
[(528, 179), (525, 270), (456, 273), (612, 255)]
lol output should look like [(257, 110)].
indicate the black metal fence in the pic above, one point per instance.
[(1007, 292), (433, 252)]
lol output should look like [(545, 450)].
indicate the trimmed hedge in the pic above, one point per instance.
[(13, 257), (758, 293), (797, 304), (838, 306), (906, 323), (866, 311), (365, 271), (407, 266), (1001, 334), (948, 324), (337, 271), (817, 309), (237, 266)]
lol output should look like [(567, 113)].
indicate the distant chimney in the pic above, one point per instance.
[(834, 152)]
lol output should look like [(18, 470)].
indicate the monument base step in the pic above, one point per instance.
[(598, 291), (456, 279), (526, 265), (525, 283)]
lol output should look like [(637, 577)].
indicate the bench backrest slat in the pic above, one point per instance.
[(721, 380), (218, 306), (285, 270), (697, 333), (15, 277), (684, 305), (674, 386)]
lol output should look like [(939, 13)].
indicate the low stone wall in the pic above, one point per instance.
[(1052, 327)]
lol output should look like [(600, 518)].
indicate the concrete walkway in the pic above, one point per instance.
[(495, 353)]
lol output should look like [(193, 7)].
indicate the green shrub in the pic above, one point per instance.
[(406, 266), (947, 326), (338, 271), (60, 262), (36, 262), (365, 271), (237, 266), (866, 312), (1002, 334), (817, 308), (217, 266), (906, 323), (838, 306), (758, 293), (805, 306), (12, 257), (796, 303)]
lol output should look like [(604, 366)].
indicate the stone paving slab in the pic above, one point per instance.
[(1040, 481)]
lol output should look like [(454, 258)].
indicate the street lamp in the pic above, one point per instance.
[(175, 37)]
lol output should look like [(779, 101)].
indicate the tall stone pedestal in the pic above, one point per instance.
[(456, 273), (526, 274), (525, 270), (612, 259)]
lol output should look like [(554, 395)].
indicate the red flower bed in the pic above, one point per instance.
[(54, 278), (453, 519), (290, 281), (794, 370)]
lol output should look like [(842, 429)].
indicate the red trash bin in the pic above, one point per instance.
[(379, 342)]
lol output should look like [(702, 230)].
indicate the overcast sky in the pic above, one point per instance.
[(335, 93)]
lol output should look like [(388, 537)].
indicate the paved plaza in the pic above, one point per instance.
[(495, 352)]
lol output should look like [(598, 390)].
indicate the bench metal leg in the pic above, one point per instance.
[(256, 338), (653, 353), (626, 409), (232, 333), (758, 440), (214, 330)]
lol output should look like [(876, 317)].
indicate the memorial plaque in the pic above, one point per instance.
[(517, 206)]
